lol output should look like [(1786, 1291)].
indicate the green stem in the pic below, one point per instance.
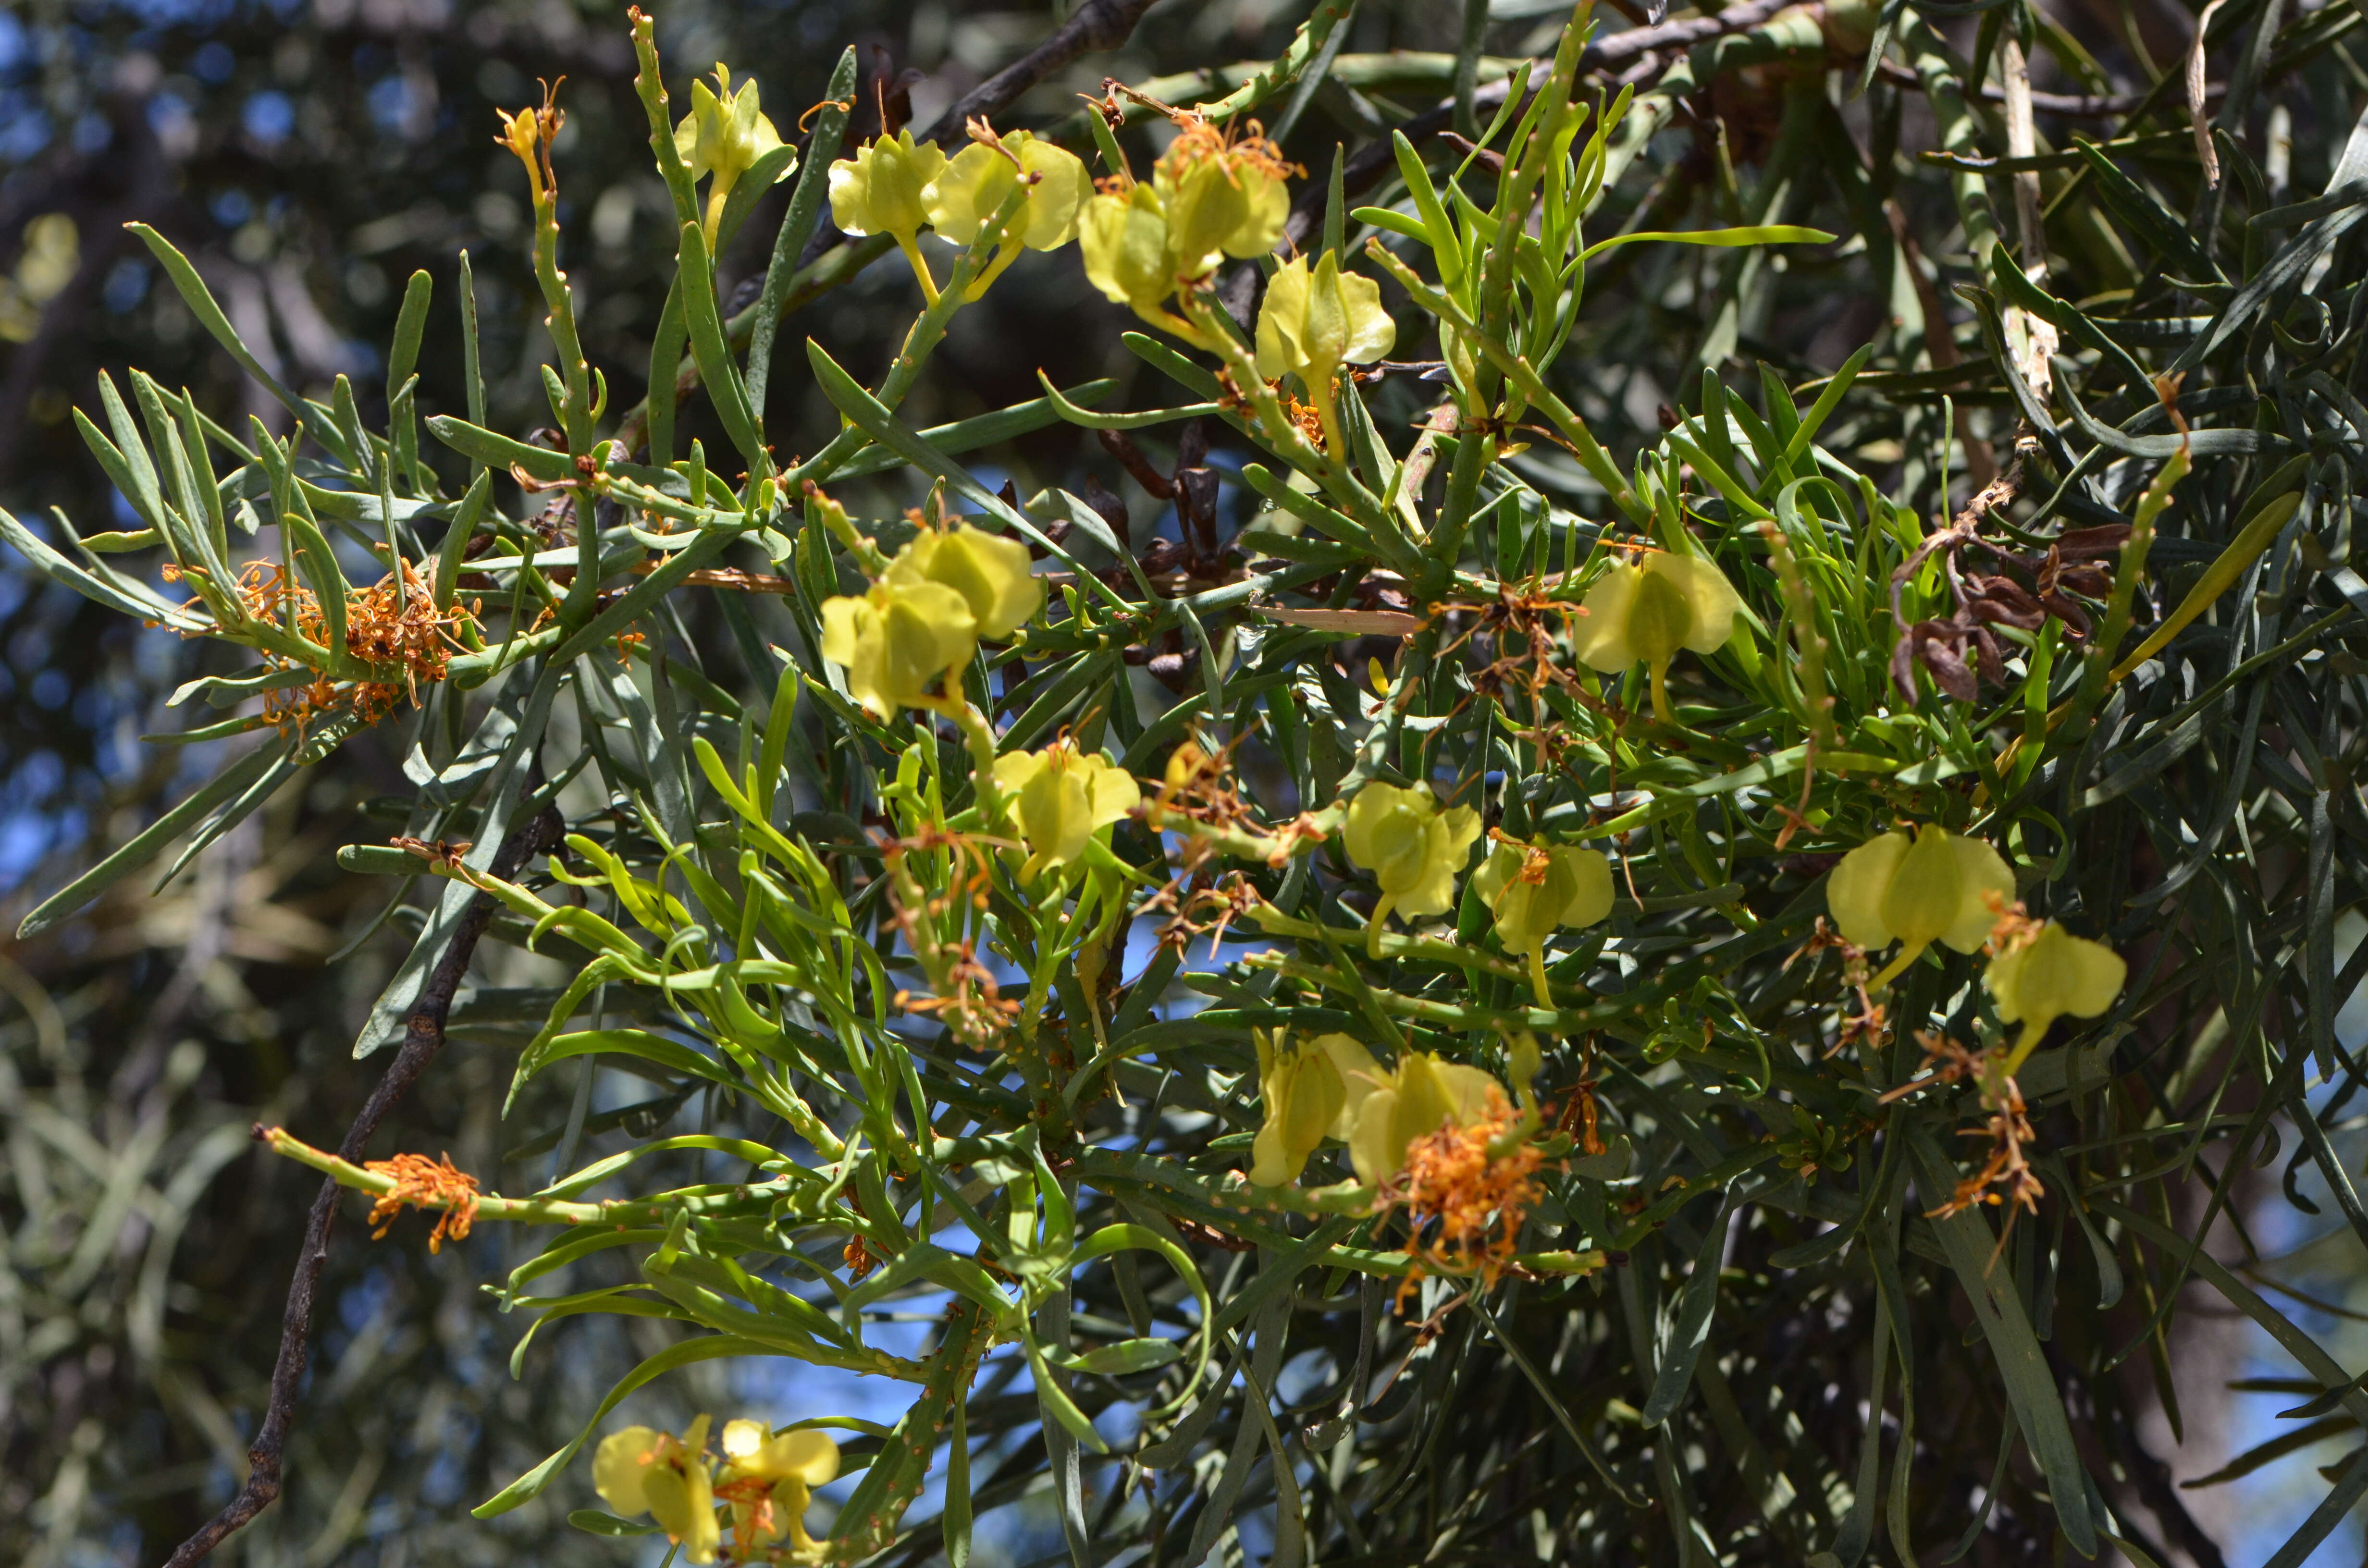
[(1538, 976), (1326, 390), (980, 737), (1374, 928)]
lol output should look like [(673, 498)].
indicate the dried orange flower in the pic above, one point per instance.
[(1464, 1204), (426, 1184)]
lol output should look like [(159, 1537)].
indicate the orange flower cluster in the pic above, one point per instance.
[(2015, 928), (1466, 1208), (426, 1184), (390, 628)]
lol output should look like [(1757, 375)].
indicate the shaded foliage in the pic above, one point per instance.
[(2062, 560)]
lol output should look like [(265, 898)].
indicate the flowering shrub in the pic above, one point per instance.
[(1557, 958)]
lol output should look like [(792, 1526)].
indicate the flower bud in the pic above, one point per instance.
[(1413, 848), (2053, 973), (878, 191), (901, 643), (968, 190), (1123, 238), (1063, 798), (1937, 888), (1533, 889), (642, 1471), (989, 572), (519, 131), (724, 135), (1646, 611), (1313, 321), (1419, 1098), (1304, 1095)]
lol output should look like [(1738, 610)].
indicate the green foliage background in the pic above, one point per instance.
[(2200, 813)]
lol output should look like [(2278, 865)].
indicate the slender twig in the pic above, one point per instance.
[(422, 1037), (1096, 25)]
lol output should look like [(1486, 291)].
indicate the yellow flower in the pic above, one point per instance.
[(1648, 610), (642, 1470), (2052, 974), (1122, 236), (1064, 797), (770, 1482), (1421, 1096), (902, 642), (1937, 888), (1207, 198), (1531, 889), (1219, 197), (975, 182), (878, 191), (724, 135), (1305, 1096), (1313, 321), (1413, 848), (522, 134), (989, 572)]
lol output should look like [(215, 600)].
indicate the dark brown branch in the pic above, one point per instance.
[(422, 1037), (1096, 25), (1370, 163)]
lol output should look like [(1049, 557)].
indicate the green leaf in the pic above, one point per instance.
[(717, 369), (1973, 1253), (1748, 235), (230, 785)]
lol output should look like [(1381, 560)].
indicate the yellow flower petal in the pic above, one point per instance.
[(1985, 884), (879, 191), (971, 186), (1303, 1096), (1360, 1076), (1314, 319), (991, 572), (1375, 1149), (1710, 600), (1646, 611), (1062, 798), (1601, 638), (806, 1455), (900, 642), (1413, 848), (1854, 891), (1279, 317), (618, 1467), (1124, 240), (1575, 891), (2055, 974), (682, 1499)]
